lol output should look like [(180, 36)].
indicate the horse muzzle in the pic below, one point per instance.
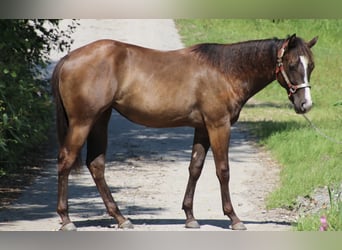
[(301, 98), (302, 106)]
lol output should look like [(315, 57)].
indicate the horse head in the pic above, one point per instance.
[(294, 66)]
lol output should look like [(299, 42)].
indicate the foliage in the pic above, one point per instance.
[(25, 103)]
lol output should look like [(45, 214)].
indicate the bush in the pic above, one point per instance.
[(25, 103)]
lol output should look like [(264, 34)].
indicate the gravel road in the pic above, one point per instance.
[(147, 169)]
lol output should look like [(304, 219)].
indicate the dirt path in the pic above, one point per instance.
[(147, 168)]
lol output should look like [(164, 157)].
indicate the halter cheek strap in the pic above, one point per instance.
[(280, 68)]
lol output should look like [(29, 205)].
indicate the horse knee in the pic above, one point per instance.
[(65, 161), (222, 174)]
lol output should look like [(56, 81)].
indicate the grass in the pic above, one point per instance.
[(307, 159)]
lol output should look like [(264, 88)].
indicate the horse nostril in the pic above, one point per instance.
[(306, 106)]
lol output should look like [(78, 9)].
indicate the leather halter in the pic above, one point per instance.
[(280, 68)]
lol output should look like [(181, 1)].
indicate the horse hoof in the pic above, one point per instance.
[(127, 224), (192, 224), (68, 227), (239, 226)]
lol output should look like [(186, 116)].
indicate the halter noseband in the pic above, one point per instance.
[(280, 68)]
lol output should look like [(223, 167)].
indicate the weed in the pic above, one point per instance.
[(328, 218)]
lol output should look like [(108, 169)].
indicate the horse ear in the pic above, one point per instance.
[(312, 42), (292, 40)]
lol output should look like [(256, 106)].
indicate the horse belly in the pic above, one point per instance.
[(158, 112)]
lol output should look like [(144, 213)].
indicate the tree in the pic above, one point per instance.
[(25, 102)]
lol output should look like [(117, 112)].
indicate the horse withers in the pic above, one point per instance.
[(203, 86)]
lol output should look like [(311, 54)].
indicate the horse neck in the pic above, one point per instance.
[(254, 64), (253, 67), (248, 66)]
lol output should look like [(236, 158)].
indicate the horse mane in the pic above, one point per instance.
[(236, 57)]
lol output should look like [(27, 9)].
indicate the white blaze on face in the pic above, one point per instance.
[(304, 60)]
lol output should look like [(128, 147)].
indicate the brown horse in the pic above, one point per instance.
[(203, 86)]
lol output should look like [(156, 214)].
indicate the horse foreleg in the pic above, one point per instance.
[(199, 152), (96, 149), (66, 159), (219, 141)]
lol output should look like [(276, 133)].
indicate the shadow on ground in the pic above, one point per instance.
[(224, 224), (126, 141)]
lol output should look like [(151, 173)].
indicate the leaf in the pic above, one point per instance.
[(5, 119), (17, 139), (13, 74), (6, 71)]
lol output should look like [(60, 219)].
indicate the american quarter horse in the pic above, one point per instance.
[(203, 86)]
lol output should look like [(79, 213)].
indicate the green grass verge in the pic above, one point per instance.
[(308, 160)]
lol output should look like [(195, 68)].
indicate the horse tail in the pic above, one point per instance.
[(62, 122)]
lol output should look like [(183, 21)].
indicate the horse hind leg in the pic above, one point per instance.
[(68, 154), (96, 150), (199, 152)]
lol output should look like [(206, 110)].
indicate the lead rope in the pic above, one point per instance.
[(320, 131)]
